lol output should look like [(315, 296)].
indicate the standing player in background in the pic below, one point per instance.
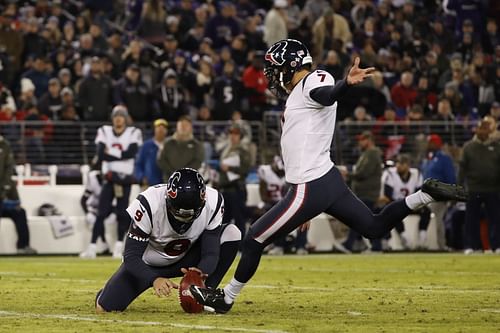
[(117, 146), (174, 227), (397, 183), (317, 186), (272, 186)]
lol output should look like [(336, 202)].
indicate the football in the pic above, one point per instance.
[(188, 302)]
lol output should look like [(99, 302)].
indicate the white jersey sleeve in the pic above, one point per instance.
[(315, 80), (216, 204), (100, 136), (140, 215)]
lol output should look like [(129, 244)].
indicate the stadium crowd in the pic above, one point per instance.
[(76, 60)]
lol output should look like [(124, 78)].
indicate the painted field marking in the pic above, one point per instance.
[(132, 322), (490, 310)]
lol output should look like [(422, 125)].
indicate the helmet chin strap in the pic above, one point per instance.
[(282, 84)]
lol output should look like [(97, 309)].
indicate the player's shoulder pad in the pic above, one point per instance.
[(153, 199)]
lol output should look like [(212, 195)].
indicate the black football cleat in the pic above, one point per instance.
[(440, 191), (211, 298)]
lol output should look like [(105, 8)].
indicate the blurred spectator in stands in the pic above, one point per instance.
[(491, 38), (86, 47), (332, 65), (66, 144), (362, 12), (255, 84), (171, 98), (294, 18), (495, 133), (208, 133), (403, 93), (234, 168), (388, 132), (253, 35), (223, 27), (132, 54), (132, 92), (11, 208), (68, 35), (99, 42), (430, 69), (453, 95), (245, 8), (7, 165), (438, 165), (95, 95), (59, 60), (275, 23), (326, 29), (115, 51), (466, 48), (202, 82), (495, 111), (64, 76), (480, 173), (425, 96), (227, 92), (27, 93), (67, 97), (313, 10), (11, 37), (367, 33), (185, 12), (81, 24), (147, 171), (7, 101), (50, 103), (38, 75), (152, 24), (240, 50), (365, 182), (182, 68), (35, 134), (244, 126), (193, 38), (34, 43), (441, 35), (446, 120), (181, 150), (169, 51), (415, 143), (482, 92)]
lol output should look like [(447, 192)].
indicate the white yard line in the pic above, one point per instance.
[(132, 322), (490, 310)]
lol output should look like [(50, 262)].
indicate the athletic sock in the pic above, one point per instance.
[(232, 290), (418, 199)]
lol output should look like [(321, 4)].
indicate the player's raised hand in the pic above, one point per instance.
[(163, 286), (357, 75)]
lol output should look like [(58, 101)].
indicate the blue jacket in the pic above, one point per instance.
[(440, 167), (145, 164)]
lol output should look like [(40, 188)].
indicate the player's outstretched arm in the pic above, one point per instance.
[(357, 75)]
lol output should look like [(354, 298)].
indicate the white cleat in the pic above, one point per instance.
[(118, 250), (89, 253)]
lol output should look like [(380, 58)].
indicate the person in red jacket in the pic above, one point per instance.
[(255, 84), (403, 93)]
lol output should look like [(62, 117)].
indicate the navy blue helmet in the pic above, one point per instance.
[(282, 60), (185, 195)]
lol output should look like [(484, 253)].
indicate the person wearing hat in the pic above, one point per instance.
[(147, 171), (438, 165), (134, 93), (365, 181), (117, 147), (181, 150), (480, 172), (51, 103), (234, 168), (95, 95)]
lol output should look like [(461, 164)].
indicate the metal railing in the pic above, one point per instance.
[(64, 143)]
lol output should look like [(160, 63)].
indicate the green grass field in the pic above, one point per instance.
[(317, 293)]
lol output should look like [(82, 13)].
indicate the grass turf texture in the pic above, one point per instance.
[(317, 293)]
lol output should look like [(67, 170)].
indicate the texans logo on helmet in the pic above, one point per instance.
[(172, 185), (276, 53)]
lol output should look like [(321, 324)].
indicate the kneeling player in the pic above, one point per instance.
[(174, 227)]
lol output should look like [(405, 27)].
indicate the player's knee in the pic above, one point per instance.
[(230, 234), (250, 244)]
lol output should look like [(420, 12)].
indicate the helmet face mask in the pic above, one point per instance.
[(185, 196), (282, 60)]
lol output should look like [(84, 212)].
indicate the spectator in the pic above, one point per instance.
[(96, 93), (132, 92), (65, 79), (202, 82), (51, 103), (329, 27), (495, 111), (98, 41), (223, 27), (147, 171), (234, 168), (365, 182), (11, 208), (439, 166), (227, 92), (38, 75), (36, 134), (480, 172), (425, 97), (403, 94), (275, 23), (171, 97), (313, 10), (7, 164), (181, 150), (491, 38), (34, 44), (255, 84), (446, 118), (117, 147)]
